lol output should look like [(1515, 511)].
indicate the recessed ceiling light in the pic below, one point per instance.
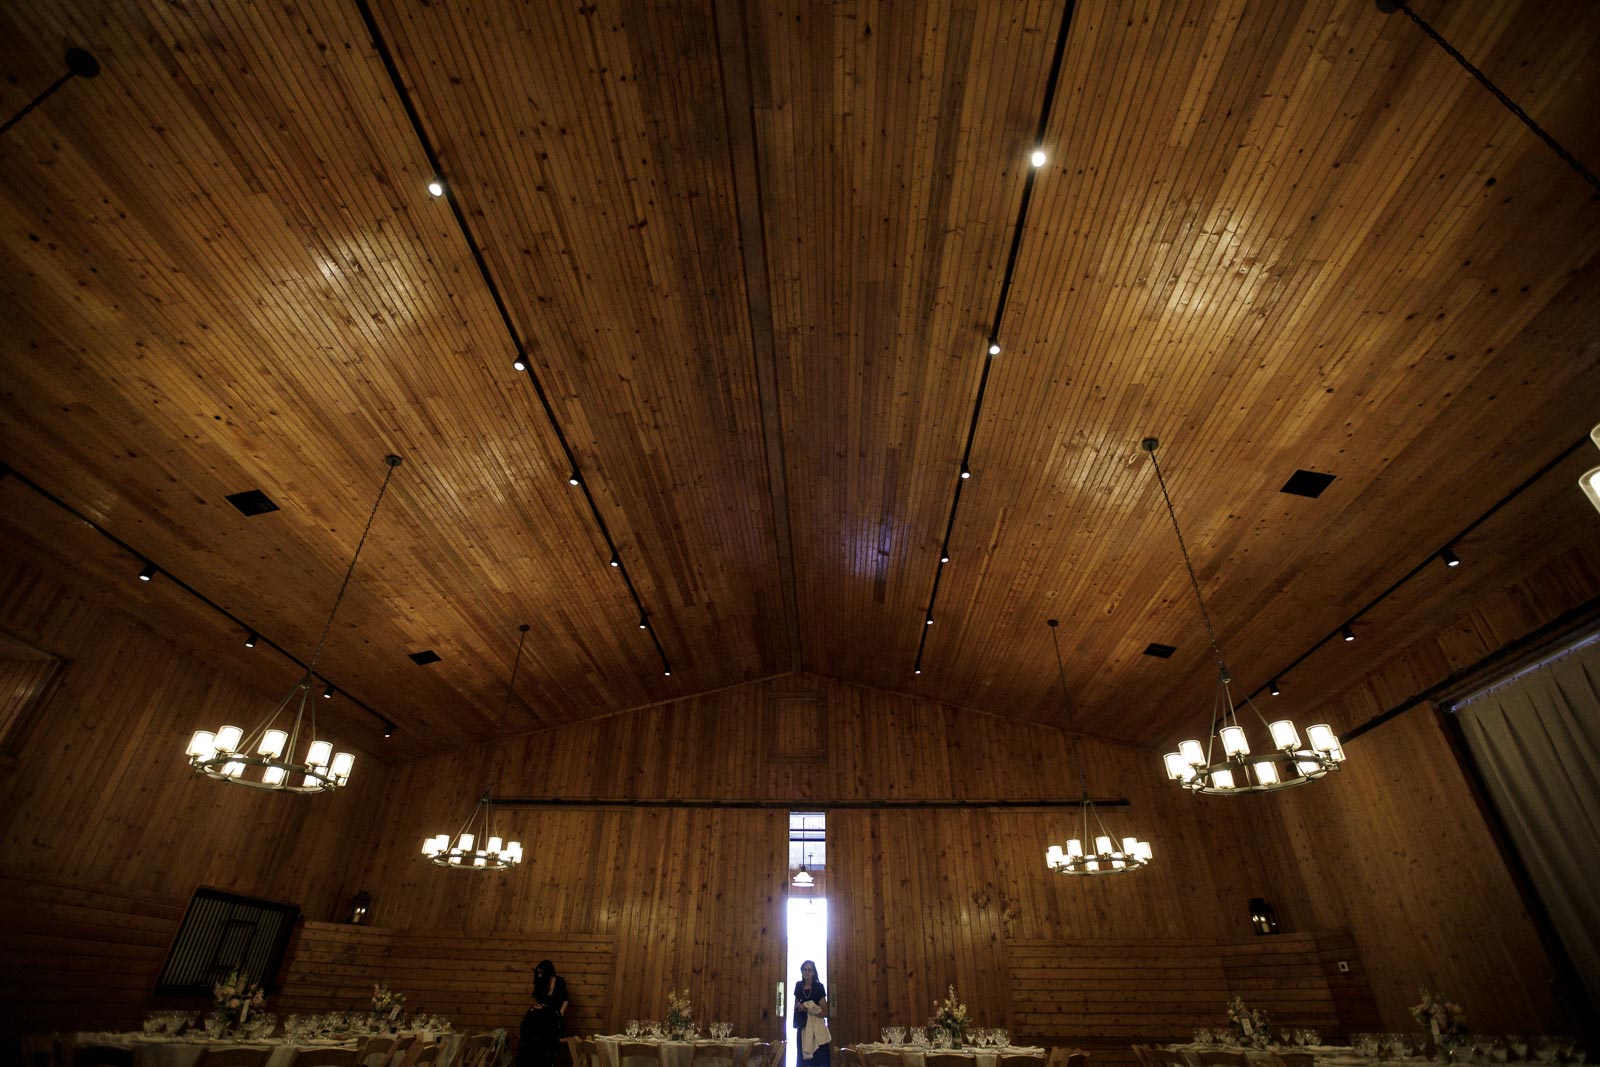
[(252, 502), (1307, 483), (994, 348), (425, 657), (1160, 651), (148, 573), (435, 188), (1038, 158)]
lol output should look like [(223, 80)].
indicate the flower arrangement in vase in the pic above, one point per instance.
[(235, 996), (387, 1005), (951, 1015), (1442, 1019), (680, 1013), (1250, 1026)]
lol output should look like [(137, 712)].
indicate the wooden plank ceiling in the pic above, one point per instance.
[(754, 252)]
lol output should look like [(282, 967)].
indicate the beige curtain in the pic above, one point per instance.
[(1536, 738)]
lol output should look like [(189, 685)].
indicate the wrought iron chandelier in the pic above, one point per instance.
[(1108, 857), (1286, 763), (477, 847), (229, 753)]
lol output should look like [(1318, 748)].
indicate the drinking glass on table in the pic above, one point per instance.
[(631, 1028), (895, 1034)]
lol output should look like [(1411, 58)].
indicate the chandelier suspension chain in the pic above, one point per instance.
[(327, 627), (505, 713), (1077, 738), (1150, 445)]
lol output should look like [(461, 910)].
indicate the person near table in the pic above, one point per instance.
[(544, 1022), (811, 1003)]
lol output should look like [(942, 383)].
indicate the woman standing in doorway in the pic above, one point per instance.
[(810, 1008)]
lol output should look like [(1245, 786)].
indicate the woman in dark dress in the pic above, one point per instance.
[(543, 1024), (809, 991)]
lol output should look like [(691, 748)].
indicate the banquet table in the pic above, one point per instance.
[(185, 1051), (915, 1056), (673, 1053), (1323, 1056)]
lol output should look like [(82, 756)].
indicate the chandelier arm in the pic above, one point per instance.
[(393, 462), (1251, 704), (1194, 582)]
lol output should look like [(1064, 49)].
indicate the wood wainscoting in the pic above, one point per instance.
[(474, 980)]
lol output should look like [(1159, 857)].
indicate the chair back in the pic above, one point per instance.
[(1018, 1059), (946, 1059), (428, 1056), (638, 1054), (234, 1057), (760, 1055), (1221, 1057), (404, 1046), (775, 1053), (375, 1052), (1140, 1051), (1077, 1058), (712, 1056), (882, 1057), (588, 1053), (104, 1056), (849, 1057), (476, 1051), (324, 1057), (1293, 1059)]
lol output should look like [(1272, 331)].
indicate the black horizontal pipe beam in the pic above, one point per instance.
[(803, 804)]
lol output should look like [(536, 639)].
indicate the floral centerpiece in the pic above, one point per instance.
[(1250, 1025), (1440, 1017), (235, 996), (950, 1014), (387, 1004), (680, 1013)]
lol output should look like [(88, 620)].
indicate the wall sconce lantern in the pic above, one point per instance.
[(359, 905), (1262, 917)]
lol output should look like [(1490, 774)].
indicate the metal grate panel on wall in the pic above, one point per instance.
[(222, 933)]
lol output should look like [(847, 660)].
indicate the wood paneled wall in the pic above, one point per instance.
[(474, 981), (100, 800), (1398, 851), (917, 898)]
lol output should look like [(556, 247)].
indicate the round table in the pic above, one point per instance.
[(915, 1055)]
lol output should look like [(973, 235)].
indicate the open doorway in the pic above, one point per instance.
[(806, 926)]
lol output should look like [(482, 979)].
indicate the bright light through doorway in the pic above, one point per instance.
[(808, 940)]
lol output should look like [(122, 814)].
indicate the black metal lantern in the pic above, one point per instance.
[(359, 906), (1262, 917)]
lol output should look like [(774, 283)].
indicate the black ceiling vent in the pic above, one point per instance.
[(252, 502), (425, 657), (1160, 651), (1307, 483)]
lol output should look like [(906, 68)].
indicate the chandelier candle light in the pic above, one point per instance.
[(228, 753), (495, 853), (1288, 762), (1108, 856)]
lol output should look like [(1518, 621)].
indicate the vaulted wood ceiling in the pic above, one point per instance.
[(754, 252)]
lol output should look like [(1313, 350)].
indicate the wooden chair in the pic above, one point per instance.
[(775, 1053), (1017, 1059), (946, 1059), (1140, 1051), (1077, 1058), (104, 1056), (403, 1047), (588, 1053), (712, 1056), (1221, 1057), (760, 1055), (428, 1056), (571, 1045), (1293, 1059), (475, 1051), (638, 1054), (324, 1057), (849, 1057), (234, 1057), (375, 1053), (882, 1057)]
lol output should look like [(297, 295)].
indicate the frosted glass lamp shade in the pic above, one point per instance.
[(1233, 742), (203, 745), (464, 842), (1178, 768), (273, 776), (1321, 737), (1102, 845), (1222, 779), (1130, 846), (1192, 753), (228, 739), (342, 764), (319, 753), (496, 844), (272, 743), (1285, 737), (1074, 849), (1590, 482), (1266, 773)]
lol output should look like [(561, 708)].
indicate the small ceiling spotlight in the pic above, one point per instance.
[(616, 560), (436, 187), (667, 673), (916, 670), (573, 479), (388, 729), (327, 691), (929, 620), (148, 573), (994, 348), (1450, 558), (519, 364), (966, 471), (250, 642), (644, 623), (1272, 687), (944, 557), (1347, 633), (1038, 158)]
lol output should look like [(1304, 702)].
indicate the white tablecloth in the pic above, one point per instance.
[(673, 1053), (186, 1051), (913, 1056)]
